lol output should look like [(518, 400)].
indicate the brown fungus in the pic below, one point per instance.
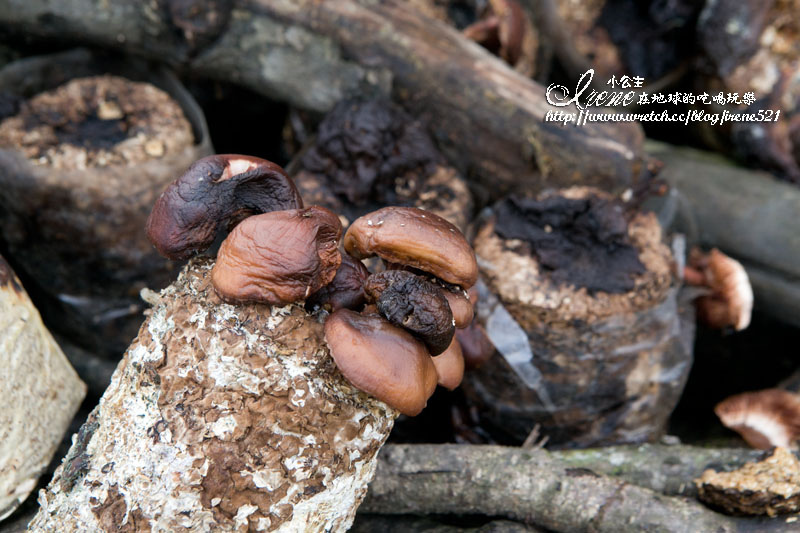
[(347, 288), (764, 418), (280, 257), (450, 366), (730, 303), (381, 359), (411, 302), (414, 238), (216, 190), (476, 347), (460, 305)]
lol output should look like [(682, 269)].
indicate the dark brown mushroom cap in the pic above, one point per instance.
[(415, 304), (450, 366), (476, 348), (278, 258), (347, 288), (216, 190), (381, 359), (415, 238)]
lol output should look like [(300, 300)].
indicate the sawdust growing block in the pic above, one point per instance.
[(581, 303), (40, 392), (220, 417), (89, 144)]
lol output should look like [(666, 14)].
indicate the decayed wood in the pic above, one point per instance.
[(40, 393), (488, 118), (748, 214), (534, 486), (220, 418)]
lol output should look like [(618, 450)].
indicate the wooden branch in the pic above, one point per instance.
[(668, 469), (533, 486), (747, 214), (311, 54)]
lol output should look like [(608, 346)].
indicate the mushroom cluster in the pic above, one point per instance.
[(391, 333)]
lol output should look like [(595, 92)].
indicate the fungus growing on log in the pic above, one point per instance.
[(764, 419), (580, 301), (414, 238), (279, 258), (237, 407), (41, 393), (410, 302), (730, 303), (216, 190)]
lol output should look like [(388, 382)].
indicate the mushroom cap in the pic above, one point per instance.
[(731, 302), (415, 238), (476, 347), (216, 190), (450, 366), (279, 257), (460, 306), (764, 418), (347, 288), (381, 359)]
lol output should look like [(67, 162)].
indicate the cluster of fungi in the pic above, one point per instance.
[(392, 332)]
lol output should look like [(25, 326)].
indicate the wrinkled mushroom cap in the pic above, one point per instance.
[(450, 366), (414, 238), (216, 190), (381, 359), (278, 258), (764, 418)]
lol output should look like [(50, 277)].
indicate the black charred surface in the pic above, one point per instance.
[(411, 302), (364, 148), (582, 242), (186, 217), (653, 36), (347, 288)]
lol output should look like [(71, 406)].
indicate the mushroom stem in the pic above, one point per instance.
[(220, 417)]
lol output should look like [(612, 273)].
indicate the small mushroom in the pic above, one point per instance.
[(409, 301), (730, 303), (764, 418), (381, 359), (450, 366), (347, 288), (476, 348), (506, 31), (216, 190), (280, 257), (460, 306), (415, 238)]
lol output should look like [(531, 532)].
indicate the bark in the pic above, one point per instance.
[(536, 487), (40, 392), (219, 418), (486, 117), (747, 214)]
